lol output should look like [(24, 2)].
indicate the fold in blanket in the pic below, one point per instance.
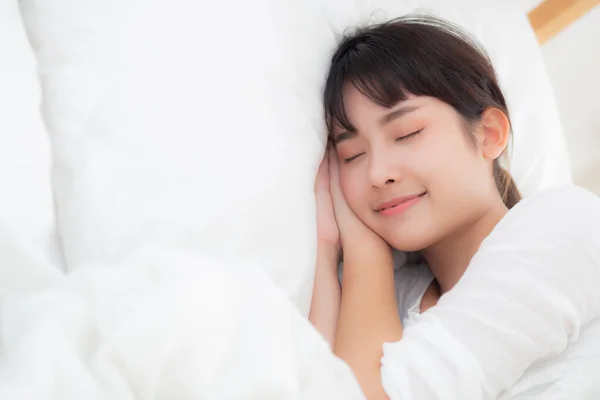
[(160, 326)]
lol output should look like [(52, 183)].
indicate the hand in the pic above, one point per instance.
[(325, 305), (351, 228), (327, 229)]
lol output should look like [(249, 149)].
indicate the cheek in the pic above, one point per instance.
[(454, 170), (427, 163), (449, 156)]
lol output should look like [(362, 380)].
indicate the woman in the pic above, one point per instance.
[(418, 125)]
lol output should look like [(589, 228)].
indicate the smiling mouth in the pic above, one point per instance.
[(401, 205)]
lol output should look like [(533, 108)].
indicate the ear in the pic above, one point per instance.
[(495, 131)]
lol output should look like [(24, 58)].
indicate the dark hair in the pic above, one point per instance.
[(422, 56)]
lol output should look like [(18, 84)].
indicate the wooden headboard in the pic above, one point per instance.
[(552, 16)]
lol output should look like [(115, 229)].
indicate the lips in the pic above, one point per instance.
[(399, 201)]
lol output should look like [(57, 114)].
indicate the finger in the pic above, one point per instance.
[(334, 173), (322, 180), (333, 165), (324, 166)]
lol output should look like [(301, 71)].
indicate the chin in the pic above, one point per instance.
[(407, 246), (412, 242)]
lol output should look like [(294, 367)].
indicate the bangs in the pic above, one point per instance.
[(372, 72)]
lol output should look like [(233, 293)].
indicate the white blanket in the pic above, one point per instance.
[(159, 326), (165, 325)]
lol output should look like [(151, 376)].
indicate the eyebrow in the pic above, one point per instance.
[(386, 119), (397, 113), (345, 135)]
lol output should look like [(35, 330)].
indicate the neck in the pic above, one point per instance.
[(449, 258)]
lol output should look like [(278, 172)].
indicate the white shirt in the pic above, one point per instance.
[(412, 279), (523, 321)]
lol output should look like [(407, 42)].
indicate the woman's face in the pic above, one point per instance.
[(412, 173)]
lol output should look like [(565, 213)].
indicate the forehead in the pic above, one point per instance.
[(354, 101)]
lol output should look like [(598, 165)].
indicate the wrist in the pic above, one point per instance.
[(328, 252), (366, 249), (367, 242)]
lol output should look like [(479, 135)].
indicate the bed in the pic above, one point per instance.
[(150, 152)]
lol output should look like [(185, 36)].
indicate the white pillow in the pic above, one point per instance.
[(188, 126), (200, 127), (26, 204)]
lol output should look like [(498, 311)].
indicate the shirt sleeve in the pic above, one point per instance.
[(526, 295)]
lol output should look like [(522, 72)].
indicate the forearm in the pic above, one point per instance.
[(368, 314), (325, 305)]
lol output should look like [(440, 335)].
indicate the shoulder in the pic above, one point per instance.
[(564, 201), (564, 192), (568, 211), (554, 233)]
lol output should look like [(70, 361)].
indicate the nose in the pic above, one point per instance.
[(383, 170)]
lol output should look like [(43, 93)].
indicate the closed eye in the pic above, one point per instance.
[(350, 159), (409, 135)]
